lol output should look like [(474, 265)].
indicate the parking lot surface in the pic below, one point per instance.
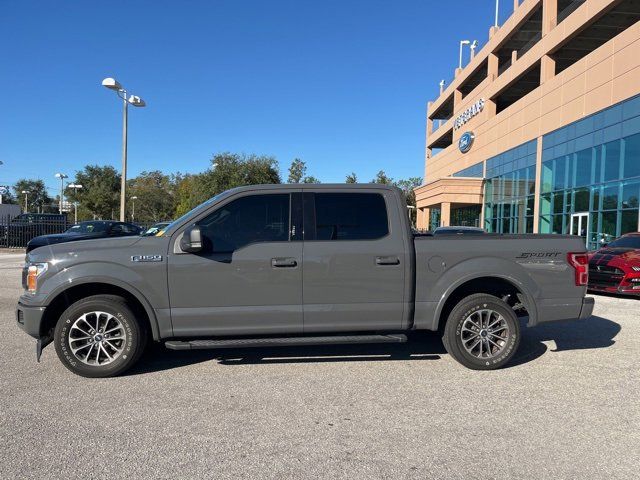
[(567, 407)]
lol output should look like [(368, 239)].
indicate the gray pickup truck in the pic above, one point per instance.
[(290, 265)]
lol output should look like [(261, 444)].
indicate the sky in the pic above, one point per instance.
[(342, 85)]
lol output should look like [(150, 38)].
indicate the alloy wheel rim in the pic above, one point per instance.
[(97, 338), (484, 334)]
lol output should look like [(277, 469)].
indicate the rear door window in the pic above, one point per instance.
[(350, 216)]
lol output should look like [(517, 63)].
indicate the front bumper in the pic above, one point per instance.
[(29, 319)]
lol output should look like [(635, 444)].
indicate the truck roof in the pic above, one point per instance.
[(314, 186)]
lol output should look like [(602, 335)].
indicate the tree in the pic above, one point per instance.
[(408, 187), (99, 196), (351, 178), (155, 197), (37, 197), (229, 170), (7, 197), (297, 171), (382, 178)]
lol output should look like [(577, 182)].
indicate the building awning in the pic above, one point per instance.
[(459, 190)]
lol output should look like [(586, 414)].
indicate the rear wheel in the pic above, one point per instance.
[(482, 332), (99, 336)]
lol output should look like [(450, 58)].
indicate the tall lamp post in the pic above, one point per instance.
[(462, 42), (61, 176), (75, 187), (26, 200), (113, 84), (133, 208), (473, 47)]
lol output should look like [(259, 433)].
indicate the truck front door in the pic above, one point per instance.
[(248, 278), (354, 261)]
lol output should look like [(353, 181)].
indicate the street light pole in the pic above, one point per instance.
[(113, 84), (123, 177), (61, 176), (26, 201), (75, 187), (462, 42), (133, 208)]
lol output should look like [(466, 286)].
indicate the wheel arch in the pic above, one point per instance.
[(65, 296), (493, 284)]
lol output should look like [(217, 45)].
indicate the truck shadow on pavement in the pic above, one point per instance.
[(595, 332)]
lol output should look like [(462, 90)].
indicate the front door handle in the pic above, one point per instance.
[(283, 262), (387, 260)]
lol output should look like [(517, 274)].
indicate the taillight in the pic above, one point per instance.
[(580, 263)]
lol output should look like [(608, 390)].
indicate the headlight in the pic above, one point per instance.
[(635, 269), (32, 272)]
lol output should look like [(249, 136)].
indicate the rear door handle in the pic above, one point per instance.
[(387, 261), (284, 262)]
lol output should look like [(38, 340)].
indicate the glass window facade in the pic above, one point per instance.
[(510, 190), (474, 171), (591, 169), (468, 216)]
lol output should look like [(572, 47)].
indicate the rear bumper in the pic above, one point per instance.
[(553, 310), (29, 319), (587, 307)]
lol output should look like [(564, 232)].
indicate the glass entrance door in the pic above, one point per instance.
[(580, 225)]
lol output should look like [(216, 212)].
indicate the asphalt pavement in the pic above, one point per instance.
[(567, 407)]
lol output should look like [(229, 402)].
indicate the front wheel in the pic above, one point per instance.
[(99, 336), (482, 332)]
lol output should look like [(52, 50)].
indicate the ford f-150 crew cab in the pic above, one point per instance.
[(288, 265)]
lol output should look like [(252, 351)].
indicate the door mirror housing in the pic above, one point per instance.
[(191, 241)]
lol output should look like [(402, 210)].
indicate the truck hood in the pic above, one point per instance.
[(80, 248)]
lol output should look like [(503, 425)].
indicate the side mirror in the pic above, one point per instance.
[(191, 241)]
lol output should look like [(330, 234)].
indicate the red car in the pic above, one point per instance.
[(616, 267)]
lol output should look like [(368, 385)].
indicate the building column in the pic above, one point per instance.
[(445, 214), (549, 15), (457, 98), (547, 68), (536, 198), (492, 66)]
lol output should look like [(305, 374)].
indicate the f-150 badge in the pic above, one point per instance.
[(146, 258)]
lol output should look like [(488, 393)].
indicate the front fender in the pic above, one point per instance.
[(132, 281)]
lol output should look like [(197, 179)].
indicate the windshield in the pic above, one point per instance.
[(632, 241), (88, 227), (191, 212)]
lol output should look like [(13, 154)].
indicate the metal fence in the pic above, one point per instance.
[(17, 230)]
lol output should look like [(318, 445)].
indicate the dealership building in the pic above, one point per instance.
[(540, 131)]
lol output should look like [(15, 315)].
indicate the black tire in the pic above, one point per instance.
[(472, 307), (130, 347)]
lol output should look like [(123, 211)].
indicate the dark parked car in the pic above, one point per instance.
[(87, 231), (615, 268)]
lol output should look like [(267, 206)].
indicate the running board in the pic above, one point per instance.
[(283, 342)]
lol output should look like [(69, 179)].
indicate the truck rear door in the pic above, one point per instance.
[(353, 261)]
